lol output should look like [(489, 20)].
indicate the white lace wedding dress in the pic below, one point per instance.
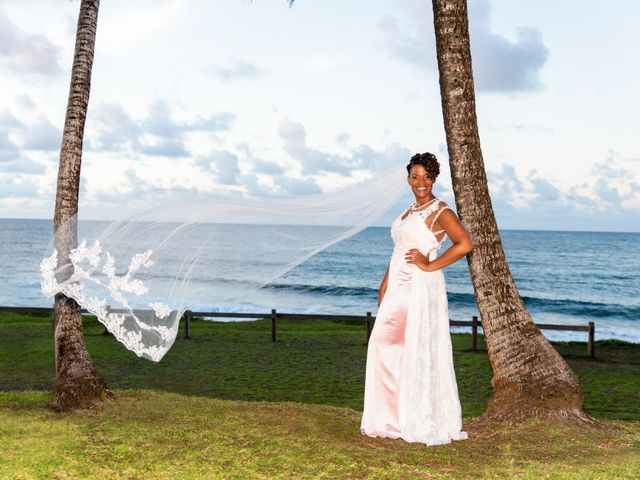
[(410, 390)]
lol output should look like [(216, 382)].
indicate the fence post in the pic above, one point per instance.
[(106, 332), (368, 323), (474, 333), (187, 319), (273, 324), (591, 345)]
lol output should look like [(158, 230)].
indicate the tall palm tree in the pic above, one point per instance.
[(530, 378), (77, 384)]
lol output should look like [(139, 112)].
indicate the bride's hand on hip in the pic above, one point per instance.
[(415, 257)]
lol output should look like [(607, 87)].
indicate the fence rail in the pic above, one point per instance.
[(368, 320)]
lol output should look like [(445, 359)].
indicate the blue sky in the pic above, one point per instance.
[(254, 96)]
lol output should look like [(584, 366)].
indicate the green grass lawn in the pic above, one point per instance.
[(229, 403)]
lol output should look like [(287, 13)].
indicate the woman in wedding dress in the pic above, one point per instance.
[(410, 388)]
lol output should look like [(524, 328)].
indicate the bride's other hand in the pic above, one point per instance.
[(415, 257)]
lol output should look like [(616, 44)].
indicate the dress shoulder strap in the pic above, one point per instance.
[(442, 206)]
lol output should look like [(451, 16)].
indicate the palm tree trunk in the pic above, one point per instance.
[(77, 384), (530, 378)]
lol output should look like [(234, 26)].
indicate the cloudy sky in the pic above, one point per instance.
[(259, 97)]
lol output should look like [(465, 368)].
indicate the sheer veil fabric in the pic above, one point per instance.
[(137, 275)]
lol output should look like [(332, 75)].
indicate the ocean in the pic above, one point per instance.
[(564, 278)]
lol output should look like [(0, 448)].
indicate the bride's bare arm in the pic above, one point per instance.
[(383, 286), (462, 244)]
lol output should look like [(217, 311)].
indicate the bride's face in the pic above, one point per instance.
[(421, 184)]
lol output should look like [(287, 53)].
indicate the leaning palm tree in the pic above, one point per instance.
[(530, 378), (77, 384)]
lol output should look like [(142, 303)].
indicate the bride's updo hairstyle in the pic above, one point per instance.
[(428, 161)]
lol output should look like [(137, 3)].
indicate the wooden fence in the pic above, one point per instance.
[(368, 320)]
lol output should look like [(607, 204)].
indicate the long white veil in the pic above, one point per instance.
[(137, 275)]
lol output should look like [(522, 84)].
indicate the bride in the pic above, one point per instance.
[(410, 388)]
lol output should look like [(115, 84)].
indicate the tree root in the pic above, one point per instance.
[(86, 392), (512, 406)]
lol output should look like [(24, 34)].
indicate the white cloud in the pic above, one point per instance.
[(543, 189), (25, 102), (8, 150), (164, 147), (8, 121), (41, 135), (13, 187), (294, 139), (158, 134), (616, 185), (267, 167), (499, 64), (115, 130), (223, 164), (391, 155), (611, 196), (26, 53), (236, 70), (297, 186)]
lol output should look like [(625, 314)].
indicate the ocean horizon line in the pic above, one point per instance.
[(371, 226), (563, 276)]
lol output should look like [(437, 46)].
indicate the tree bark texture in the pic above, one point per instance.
[(530, 378), (77, 384)]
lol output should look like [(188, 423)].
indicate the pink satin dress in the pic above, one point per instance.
[(410, 385)]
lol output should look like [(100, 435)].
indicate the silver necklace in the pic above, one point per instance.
[(423, 210)]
